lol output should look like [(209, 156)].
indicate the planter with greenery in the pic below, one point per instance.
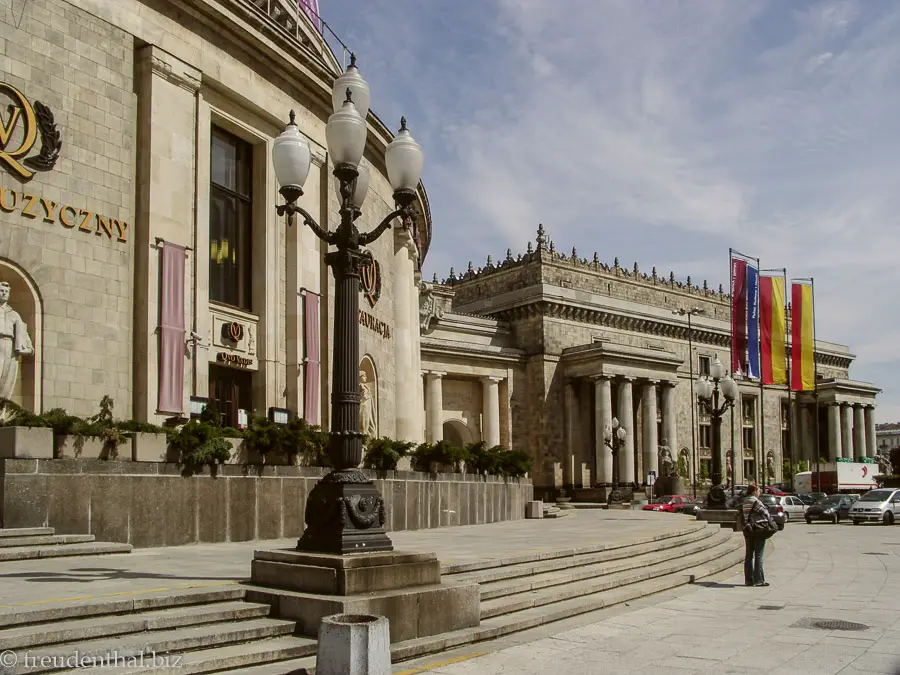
[(19, 440), (440, 457), (384, 454), (149, 442)]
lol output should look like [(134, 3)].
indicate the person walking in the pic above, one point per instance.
[(757, 525)]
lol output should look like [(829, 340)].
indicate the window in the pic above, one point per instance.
[(785, 429), (230, 389), (748, 419), (704, 365), (705, 435), (749, 469), (230, 203)]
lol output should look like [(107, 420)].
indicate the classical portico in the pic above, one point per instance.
[(633, 384), (846, 415)]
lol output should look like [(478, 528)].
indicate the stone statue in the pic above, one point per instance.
[(885, 467), (429, 309), (667, 465), (770, 466), (14, 342), (368, 423), (686, 458)]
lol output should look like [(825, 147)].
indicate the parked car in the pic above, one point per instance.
[(810, 498), (881, 505), (793, 506), (691, 508), (833, 508), (775, 509), (668, 503), (772, 490)]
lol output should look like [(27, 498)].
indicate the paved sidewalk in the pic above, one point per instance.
[(40, 581), (818, 571)]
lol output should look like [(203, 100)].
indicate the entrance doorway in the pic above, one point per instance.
[(231, 390)]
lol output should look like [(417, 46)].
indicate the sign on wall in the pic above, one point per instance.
[(31, 120), (371, 280)]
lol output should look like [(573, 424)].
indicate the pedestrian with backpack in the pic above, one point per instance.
[(758, 525)]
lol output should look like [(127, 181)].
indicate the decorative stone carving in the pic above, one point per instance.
[(885, 467), (14, 342), (368, 422), (667, 466), (429, 310)]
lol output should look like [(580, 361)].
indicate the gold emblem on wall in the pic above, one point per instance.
[(370, 272), (32, 119), (233, 331)]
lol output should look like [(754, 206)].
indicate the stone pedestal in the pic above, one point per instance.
[(534, 509), (26, 443), (405, 588), (668, 485), (344, 518), (724, 517)]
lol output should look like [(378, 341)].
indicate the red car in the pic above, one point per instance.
[(769, 490), (668, 503)]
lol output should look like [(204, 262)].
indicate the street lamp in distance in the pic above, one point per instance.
[(709, 390), (614, 438)]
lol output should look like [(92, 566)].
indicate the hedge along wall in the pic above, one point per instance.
[(153, 504)]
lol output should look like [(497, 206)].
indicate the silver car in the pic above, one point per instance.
[(882, 505), (793, 507)]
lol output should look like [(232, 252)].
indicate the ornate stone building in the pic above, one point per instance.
[(566, 344)]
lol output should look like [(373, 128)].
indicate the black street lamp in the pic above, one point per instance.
[(693, 311), (708, 391), (345, 511), (614, 438)]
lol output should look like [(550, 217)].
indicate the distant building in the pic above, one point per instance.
[(888, 437)]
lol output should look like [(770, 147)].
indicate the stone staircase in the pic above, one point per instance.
[(31, 543), (552, 511), (214, 630)]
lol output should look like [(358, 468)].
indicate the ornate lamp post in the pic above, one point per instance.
[(345, 511), (614, 437), (693, 311), (708, 391)]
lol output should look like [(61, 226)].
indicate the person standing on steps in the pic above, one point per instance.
[(757, 525)]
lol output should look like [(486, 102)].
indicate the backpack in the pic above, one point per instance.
[(760, 524)]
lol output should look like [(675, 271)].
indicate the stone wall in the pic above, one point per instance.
[(152, 504), (68, 231)]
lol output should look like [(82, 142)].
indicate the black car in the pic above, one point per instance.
[(833, 508), (810, 498)]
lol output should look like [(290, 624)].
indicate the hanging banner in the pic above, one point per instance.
[(803, 368), (772, 330), (752, 322), (738, 316)]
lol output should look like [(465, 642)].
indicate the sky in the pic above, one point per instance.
[(659, 132)]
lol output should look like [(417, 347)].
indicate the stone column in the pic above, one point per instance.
[(870, 431), (434, 406), (834, 431), (859, 431), (650, 440), (626, 419), (571, 417), (669, 420), (847, 429), (404, 385), (807, 441), (602, 420), (416, 347), (490, 410)]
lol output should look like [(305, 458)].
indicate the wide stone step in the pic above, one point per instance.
[(638, 557), (25, 532), (48, 613), (38, 552), (82, 630), (46, 540), (279, 654), (554, 594), (162, 642), (530, 568)]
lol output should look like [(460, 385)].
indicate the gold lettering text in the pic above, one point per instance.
[(64, 219), (103, 222), (8, 208), (122, 227), (27, 208), (49, 210), (6, 130), (87, 216)]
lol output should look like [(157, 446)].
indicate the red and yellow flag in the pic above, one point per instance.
[(772, 330), (803, 367)]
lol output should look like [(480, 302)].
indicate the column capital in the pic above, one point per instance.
[(869, 406), (491, 378), (625, 378), (436, 374), (600, 378), (648, 380)]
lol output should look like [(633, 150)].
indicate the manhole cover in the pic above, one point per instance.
[(829, 624), (770, 607)]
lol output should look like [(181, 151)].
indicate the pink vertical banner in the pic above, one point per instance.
[(311, 9), (312, 384), (171, 330)]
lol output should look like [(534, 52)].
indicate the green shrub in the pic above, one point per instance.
[(383, 454), (200, 443), (442, 453), (483, 460), (515, 463)]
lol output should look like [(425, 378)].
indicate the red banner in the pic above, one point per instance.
[(738, 316)]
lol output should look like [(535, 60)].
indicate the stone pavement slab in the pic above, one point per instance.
[(718, 626), (204, 565)]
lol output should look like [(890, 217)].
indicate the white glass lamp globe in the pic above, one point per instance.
[(361, 188), (359, 88), (345, 134), (290, 156), (621, 433), (717, 370), (729, 388), (404, 160), (704, 389)]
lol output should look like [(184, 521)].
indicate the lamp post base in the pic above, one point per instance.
[(344, 514), (717, 498)]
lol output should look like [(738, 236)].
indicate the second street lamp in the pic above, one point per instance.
[(345, 511), (708, 390), (614, 437)]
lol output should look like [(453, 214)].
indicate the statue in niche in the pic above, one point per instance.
[(666, 463), (368, 423), (14, 342), (770, 467)]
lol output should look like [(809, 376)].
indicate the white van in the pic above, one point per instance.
[(882, 505)]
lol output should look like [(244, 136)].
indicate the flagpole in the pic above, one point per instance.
[(731, 252), (790, 419), (812, 284), (762, 407)]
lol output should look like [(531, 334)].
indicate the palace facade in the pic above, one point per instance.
[(144, 254)]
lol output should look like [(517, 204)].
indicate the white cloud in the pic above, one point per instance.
[(664, 132)]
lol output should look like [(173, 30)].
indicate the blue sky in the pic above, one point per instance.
[(661, 132)]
